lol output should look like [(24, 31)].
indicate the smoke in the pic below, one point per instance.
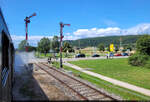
[(26, 57), (22, 59)]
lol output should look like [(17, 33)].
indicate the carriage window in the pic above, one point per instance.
[(5, 57), (5, 54)]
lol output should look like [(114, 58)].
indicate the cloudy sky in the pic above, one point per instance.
[(88, 18)]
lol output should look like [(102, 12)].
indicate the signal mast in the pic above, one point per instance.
[(27, 20), (61, 37)]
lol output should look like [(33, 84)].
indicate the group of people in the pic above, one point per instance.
[(49, 60), (109, 55)]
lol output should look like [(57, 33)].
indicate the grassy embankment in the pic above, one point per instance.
[(118, 69), (124, 93)]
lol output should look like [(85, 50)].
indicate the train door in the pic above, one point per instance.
[(6, 70), (12, 63), (0, 65)]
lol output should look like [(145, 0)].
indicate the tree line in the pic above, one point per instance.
[(46, 45), (88, 42)]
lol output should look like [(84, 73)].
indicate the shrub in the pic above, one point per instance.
[(143, 45), (138, 59)]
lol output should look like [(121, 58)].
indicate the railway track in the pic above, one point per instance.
[(83, 90)]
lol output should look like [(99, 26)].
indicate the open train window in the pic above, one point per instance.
[(5, 58)]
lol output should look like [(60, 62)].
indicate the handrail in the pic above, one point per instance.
[(5, 74)]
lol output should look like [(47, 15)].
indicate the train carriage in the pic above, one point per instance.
[(6, 62)]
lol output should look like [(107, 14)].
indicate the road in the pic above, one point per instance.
[(72, 59), (90, 58)]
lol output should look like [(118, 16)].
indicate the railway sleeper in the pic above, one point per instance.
[(68, 82), (81, 89), (51, 71), (62, 76), (74, 84), (97, 97), (91, 94), (86, 92), (104, 98)]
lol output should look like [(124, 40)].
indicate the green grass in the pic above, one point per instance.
[(118, 69), (42, 55), (122, 92)]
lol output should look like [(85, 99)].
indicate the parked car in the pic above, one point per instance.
[(111, 54), (79, 55), (95, 55), (124, 54), (118, 54)]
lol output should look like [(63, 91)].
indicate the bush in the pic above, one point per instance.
[(143, 45), (138, 60)]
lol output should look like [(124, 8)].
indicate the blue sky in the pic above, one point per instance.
[(88, 18)]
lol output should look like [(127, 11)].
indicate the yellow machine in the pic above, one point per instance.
[(111, 47)]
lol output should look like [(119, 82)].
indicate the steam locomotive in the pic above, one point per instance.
[(6, 62)]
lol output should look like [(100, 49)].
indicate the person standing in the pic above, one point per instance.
[(107, 55), (48, 60)]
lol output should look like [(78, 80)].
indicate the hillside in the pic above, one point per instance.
[(129, 39)]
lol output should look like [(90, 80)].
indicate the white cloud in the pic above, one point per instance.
[(93, 32), (71, 37), (111, 31), (139, 29), (33, 40)]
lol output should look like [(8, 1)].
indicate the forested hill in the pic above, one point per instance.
[(129, 39)]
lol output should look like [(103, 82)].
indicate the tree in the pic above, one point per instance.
[(67, 47), (55, 44), (143, 45), (44, 45), (86, 42), (101, 47), (31, 48), (127, 46), (116, 48), (22, 45), (108, 49)]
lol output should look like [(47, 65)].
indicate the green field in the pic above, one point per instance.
[(118, 69), (122, 92)]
